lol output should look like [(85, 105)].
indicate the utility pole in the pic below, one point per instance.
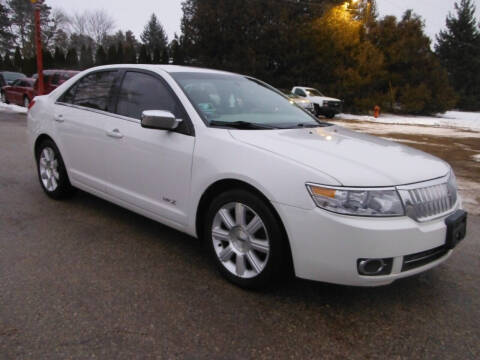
[(38, 43)]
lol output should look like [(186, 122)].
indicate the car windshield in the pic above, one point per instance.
[(235, 100), (314, 92), (12, 76)]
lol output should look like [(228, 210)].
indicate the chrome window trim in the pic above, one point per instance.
[(102, 112)]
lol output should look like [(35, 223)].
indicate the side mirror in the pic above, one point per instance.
[(159, 119)]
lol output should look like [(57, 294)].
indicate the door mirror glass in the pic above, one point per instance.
[(159, 119)]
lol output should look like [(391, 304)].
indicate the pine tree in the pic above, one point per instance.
[(8, 63), (165, 59), (156, 56), (144, 57), (48, 60), (6, 36), (17, 59), (458, 48), (154, 36), (59, 58), (100, 56), (72, 58), (86, 60), (112, 55), (176, 51), (120, 53)]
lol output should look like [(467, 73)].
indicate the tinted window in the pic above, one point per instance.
[(55, 79), (141, 92), (93, 91), (300, 92), (68, 96)]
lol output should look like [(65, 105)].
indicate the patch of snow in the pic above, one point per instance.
[(384, 129), (411, 141), (469, 191), (476, 157), (452, 119), (9, 108)]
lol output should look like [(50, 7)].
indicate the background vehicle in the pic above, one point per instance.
[(54, 78), (228, 159), (8, 77), (323, 105), (304, 103), (21, 92)]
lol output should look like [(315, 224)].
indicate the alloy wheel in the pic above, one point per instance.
[(48, 165), (240, 240)]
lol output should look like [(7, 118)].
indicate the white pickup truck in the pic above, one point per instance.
[(322, 104)]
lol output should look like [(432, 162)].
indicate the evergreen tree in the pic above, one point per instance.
[(17, 59), (100, 56), (59, 58), (157, 59), (144, 57), (112, 55), (48, 60), (131, 45), (8, 63), (6, 36), (458, 48), (176, 51), (86, 57), (71, 60), (120, 53), (154, 36), (1, 61), (165, 59)]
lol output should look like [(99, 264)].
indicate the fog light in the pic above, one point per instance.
[(374, 267)]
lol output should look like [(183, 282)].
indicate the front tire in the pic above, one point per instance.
[(52, 172), (245, 239), (26, 101)]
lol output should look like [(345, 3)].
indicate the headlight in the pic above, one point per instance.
[(452, 188), (359, 202)]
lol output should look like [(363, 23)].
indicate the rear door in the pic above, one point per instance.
[(149, 168), (80, 116)]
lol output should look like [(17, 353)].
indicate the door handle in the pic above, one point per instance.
[(115, 133), (59, 118)]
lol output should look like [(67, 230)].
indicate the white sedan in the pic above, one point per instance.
[(267, 186)]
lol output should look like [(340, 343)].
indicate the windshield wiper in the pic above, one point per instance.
[(240, 125)]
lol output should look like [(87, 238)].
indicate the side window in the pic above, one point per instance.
[(141, 92), (300, 92), (55, 79), (93, 91), (68, 96)]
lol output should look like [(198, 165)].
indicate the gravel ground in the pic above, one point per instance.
[(85, 279)]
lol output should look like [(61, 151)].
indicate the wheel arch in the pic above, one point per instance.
[(41, 138), (228, 184)]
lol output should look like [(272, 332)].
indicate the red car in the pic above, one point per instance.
[(54, 78), (21, 92)]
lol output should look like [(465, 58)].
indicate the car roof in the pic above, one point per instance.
[(167, 68)]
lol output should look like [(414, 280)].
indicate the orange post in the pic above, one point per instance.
[(376, 111), (38, 44)]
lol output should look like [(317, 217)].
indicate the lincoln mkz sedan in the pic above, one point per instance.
[(230, 160)]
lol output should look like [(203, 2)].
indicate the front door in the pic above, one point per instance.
[(148, 168)]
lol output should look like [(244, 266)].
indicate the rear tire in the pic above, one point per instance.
[(245, 239), (52, 172)]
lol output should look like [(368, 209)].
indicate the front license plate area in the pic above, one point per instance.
[(456, 228)]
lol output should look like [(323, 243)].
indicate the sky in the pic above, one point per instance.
[(132, 15)]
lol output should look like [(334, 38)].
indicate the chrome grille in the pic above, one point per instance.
[(429, 200)]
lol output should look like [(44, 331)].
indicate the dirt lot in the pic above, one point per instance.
[(460, 148)]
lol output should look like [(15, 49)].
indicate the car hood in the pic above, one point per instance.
[(322, 98), (352, 158)]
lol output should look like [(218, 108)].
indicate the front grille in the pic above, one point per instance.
[(334, 104), (423, 258), (427, 201)]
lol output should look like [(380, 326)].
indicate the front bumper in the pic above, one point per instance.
[(326, 247)]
